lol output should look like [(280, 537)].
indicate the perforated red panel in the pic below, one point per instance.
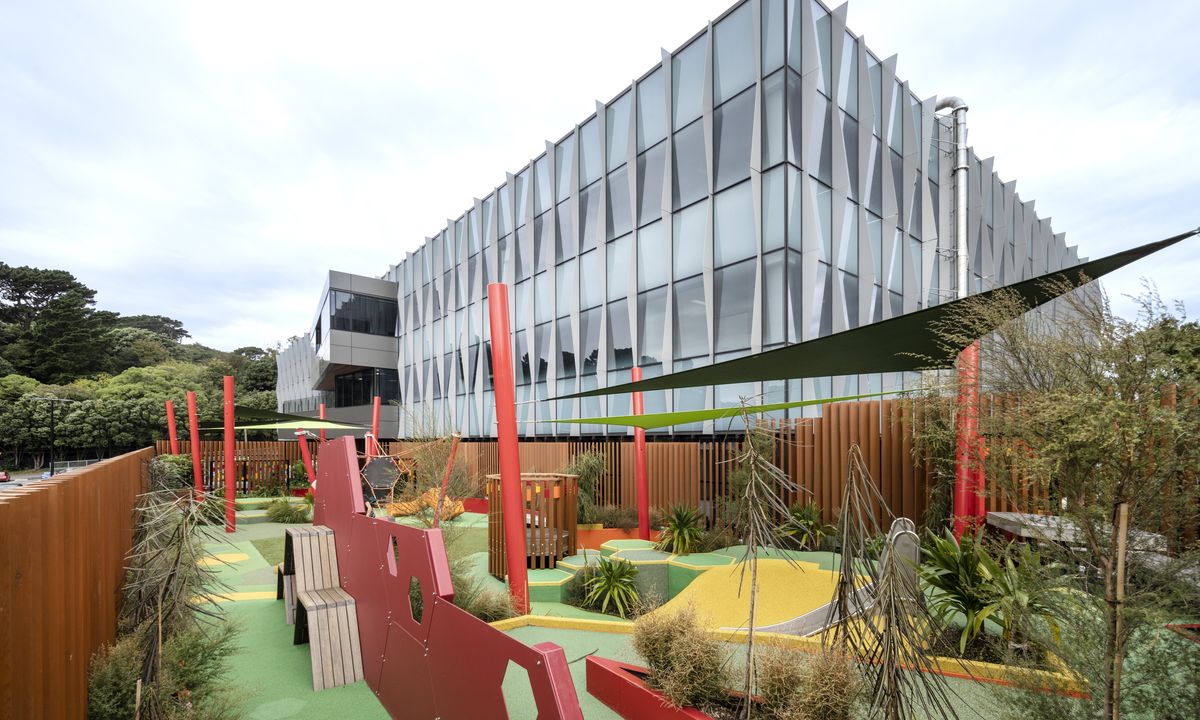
[(450, 664)]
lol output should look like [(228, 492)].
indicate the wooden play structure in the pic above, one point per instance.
[(549, 502)]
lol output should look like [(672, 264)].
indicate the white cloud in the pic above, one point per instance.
[(211, 160)]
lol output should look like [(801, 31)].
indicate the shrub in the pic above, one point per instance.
[(830, 688), (613, 516), (715, 539), (283, 511), (269, 487), (193, 665), (780, 673), (804, 529), (297, 475), (613, 584), (590, 467), (962, 574), (470, 594), (685, 663), (575, 591), (683, 531), (171, 472), (797, 686)]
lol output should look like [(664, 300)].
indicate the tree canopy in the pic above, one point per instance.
[(117, 370)]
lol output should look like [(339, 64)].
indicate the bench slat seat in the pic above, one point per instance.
[(323, 613)]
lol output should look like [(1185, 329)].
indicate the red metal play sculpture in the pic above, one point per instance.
[(438, 662)]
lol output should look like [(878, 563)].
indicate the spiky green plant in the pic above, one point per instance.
[(683, 531), (613, 584), (963, 575), (804, 527)]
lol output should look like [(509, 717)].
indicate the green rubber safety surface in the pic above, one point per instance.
[(639, 555), (826, 560), (615, 545), (272, 678), (703, 560)]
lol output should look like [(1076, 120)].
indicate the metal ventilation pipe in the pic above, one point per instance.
[(961, 263), (969, 508)]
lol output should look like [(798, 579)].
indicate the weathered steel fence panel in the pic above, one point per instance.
[(63, 544)]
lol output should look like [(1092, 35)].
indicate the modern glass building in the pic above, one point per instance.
[(769, 182)]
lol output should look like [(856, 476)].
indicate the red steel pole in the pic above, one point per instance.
[(977, 472), (302, 438), (512, 502), (966, 440), (374, 428), (194, 434), (230, 471), (322, 416), (437, 516), (171, 428), (639, 465)]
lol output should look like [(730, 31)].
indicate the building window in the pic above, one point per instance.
[(360, 387), (363, 314)]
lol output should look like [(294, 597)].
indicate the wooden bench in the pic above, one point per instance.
[(323, 614)]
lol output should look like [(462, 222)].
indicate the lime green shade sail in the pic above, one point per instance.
[(299, 424), (683, 417), (905, 343)]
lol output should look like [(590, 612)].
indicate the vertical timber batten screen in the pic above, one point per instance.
[(63, 544), (812, 451)]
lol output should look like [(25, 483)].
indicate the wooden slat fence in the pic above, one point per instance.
[(258, 462), (812, 451), (63, 544)]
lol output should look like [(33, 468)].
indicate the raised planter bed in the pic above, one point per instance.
[(622, 687), (592, 537)]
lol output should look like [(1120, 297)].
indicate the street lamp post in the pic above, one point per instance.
[(53, 401)]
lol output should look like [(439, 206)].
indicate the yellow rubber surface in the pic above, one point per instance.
[(222, 558), (785, 591)]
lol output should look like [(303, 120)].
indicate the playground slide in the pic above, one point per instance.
[(817, 621)]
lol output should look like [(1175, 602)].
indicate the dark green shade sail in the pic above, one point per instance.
[(683, 417), (901, 344)]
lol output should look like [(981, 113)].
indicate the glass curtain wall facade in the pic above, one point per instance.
[(770, 182)]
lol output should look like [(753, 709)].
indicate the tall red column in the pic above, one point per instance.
[(374, 443), (506, 439), (302, 438), (171, 428), (978, 491), (322, 416), (230, 469), (639, 465), (194, 435), (967, 473)]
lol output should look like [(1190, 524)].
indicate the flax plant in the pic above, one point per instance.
[(877, 613)]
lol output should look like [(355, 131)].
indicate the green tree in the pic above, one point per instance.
[(25, 292), (1091, 419), (67, 340), (255, 369), (136, 347), (13, 386), (160, 325)]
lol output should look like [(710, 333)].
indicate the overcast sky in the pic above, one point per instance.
[(210, 160)]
